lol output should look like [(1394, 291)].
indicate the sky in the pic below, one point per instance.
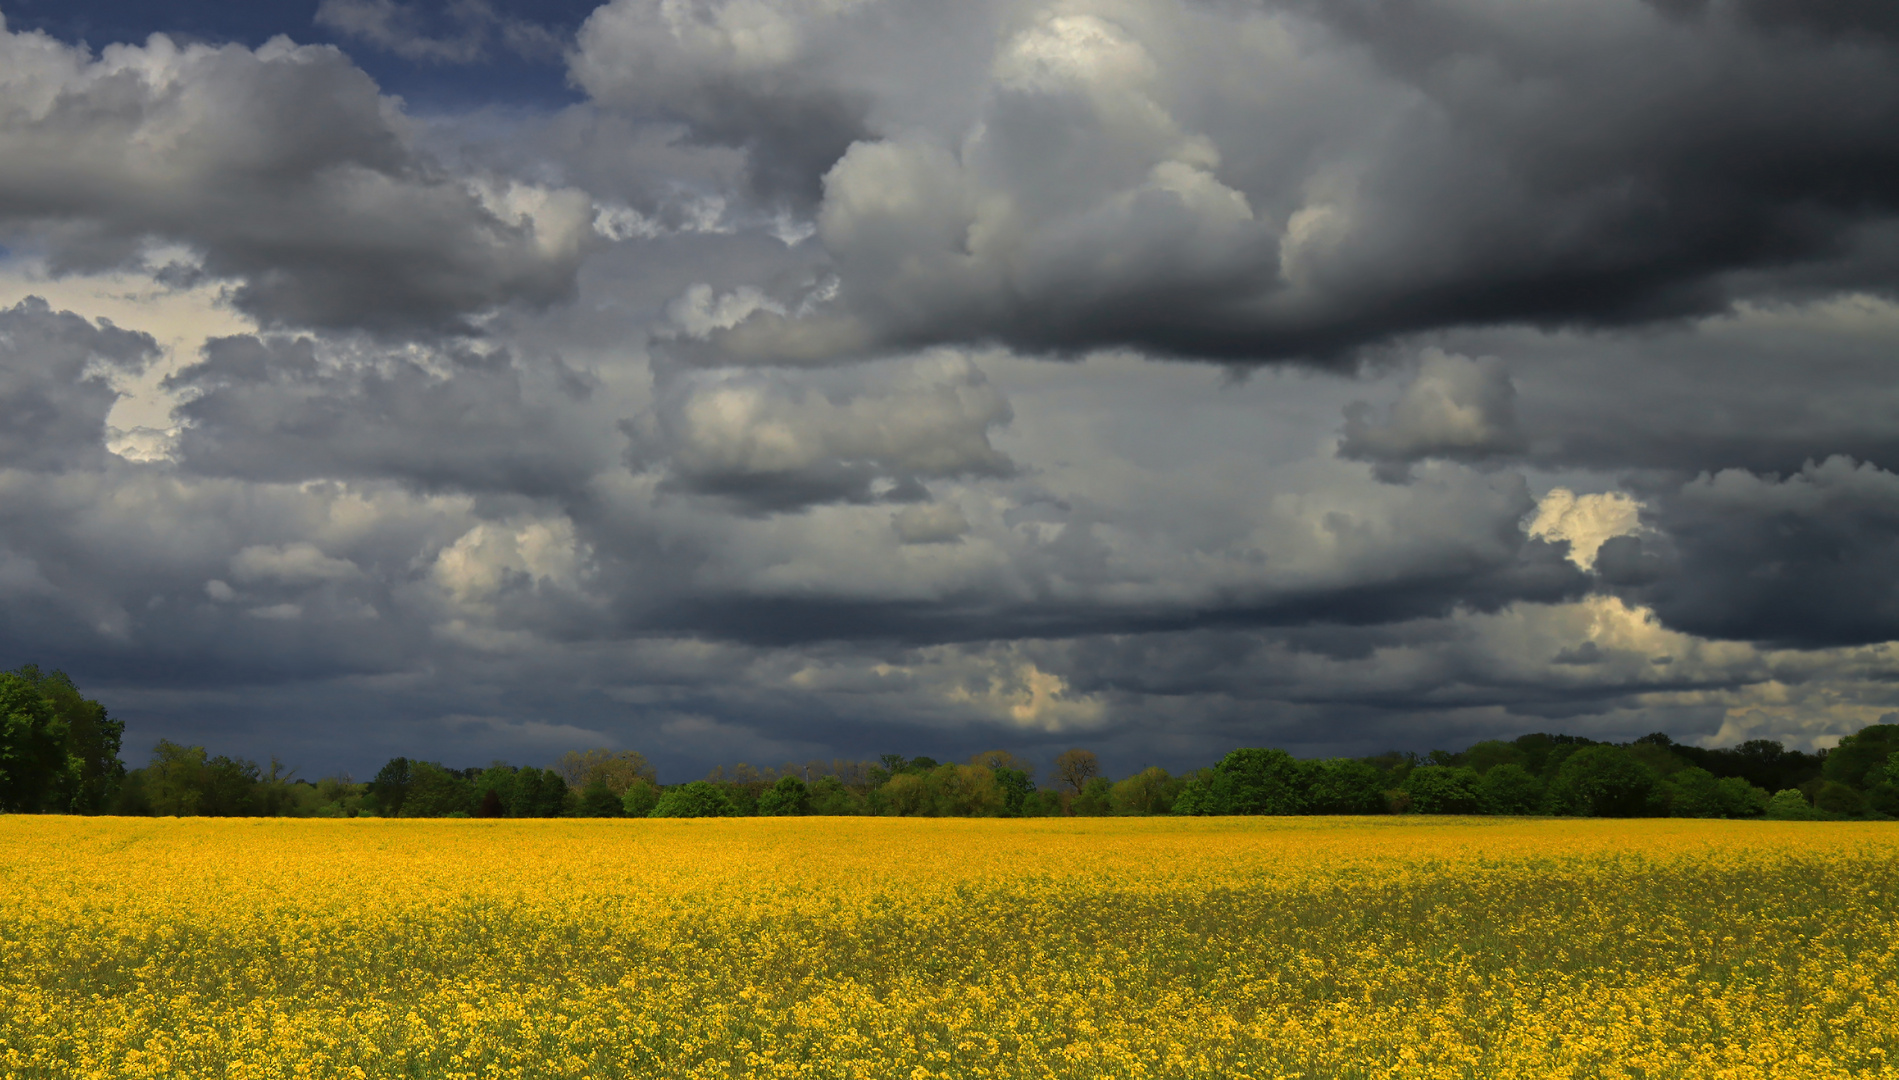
[(734, 380)]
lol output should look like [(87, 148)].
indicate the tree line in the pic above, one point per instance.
[(59, 753)]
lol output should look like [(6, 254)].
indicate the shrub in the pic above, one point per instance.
[(1740, 799), (1789, 805)]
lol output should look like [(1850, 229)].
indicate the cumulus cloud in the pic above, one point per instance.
[(284, 171), (738, 73), (56, 384), (295, 408), (779, 442), (1585, 522), (1455, 408), (1252, 183)]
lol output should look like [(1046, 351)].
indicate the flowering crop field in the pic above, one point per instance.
[(851, 947)]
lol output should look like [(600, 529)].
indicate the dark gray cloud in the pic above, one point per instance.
[(1455, 408), (637, 497), (1293, 181), (1802, 560), (747, 76), (56, 372), (281, 170)]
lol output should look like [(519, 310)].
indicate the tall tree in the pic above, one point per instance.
[(617, 769), (1601, 781), (32, 746), (1076, 767), (90, 775), (391, 786), (175, 781)]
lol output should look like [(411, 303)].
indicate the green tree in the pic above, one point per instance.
[(831, 798), (964, 791), (1344, 786), (538, 793), (1442, 789), (788, 797), (175, 782), (1694, 793), (617, 769), (1095, 799), (1860, 759), (1491, 753), (1601, 781), (231, 787), (1740, 799), (89, 777), (494, 790), (1015, 785), (1150, 791), (1509, 788), (904, 795), (1076, 767), (33, 762), (391, 786), (697, 799), (1042, 804), (437, 792), (640, 798), (598, 800), (1837, 798), (1247, 781), (997, 760)]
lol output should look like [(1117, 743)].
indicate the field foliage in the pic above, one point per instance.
[(874, 947)]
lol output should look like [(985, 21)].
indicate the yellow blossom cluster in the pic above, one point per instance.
[(904, 948)]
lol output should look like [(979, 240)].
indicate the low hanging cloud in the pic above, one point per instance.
[(282, 170), (1294, 180)]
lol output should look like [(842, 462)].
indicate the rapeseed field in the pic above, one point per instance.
[(828, 947)]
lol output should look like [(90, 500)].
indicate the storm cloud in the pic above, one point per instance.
[(838, 377), (1282, 182)]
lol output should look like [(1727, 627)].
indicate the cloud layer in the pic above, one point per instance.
[(846, 376)]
